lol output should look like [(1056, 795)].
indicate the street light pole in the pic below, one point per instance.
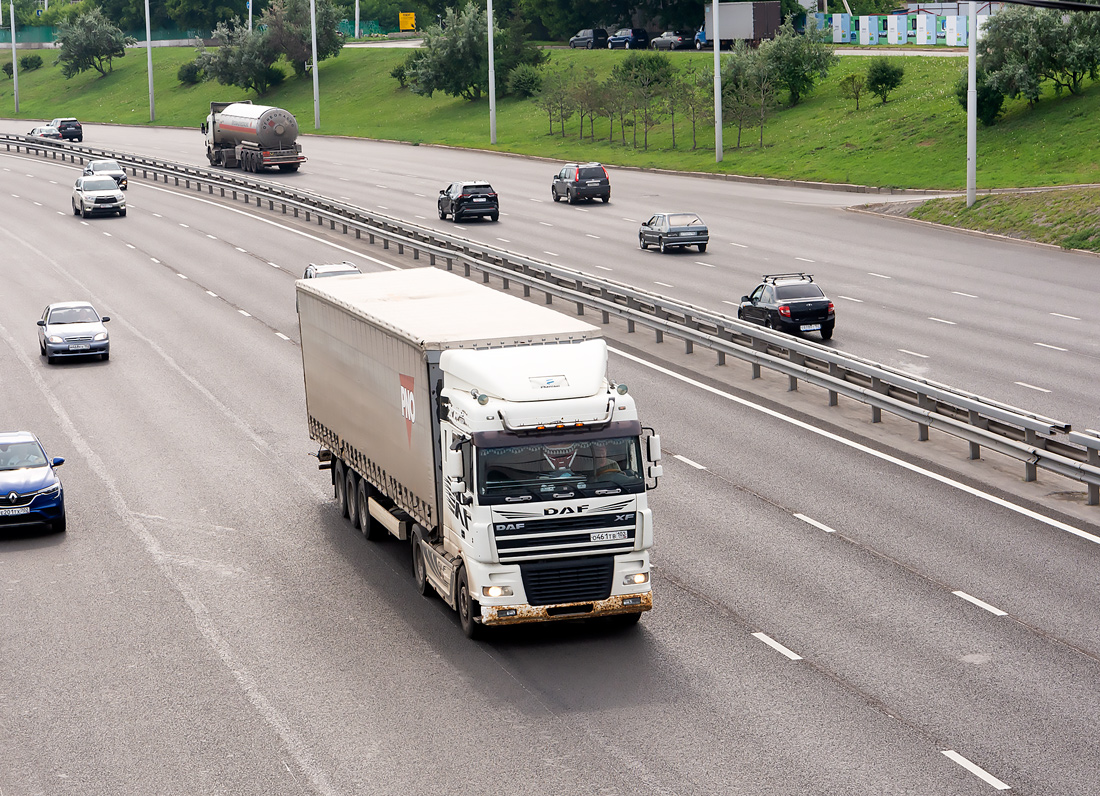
[(149, 53), (316, 90), (14, 60), (717, 82), (492, 81), (972, 107), (249, 16)]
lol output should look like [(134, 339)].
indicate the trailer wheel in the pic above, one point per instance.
[(420, 569), (340, 487), (367, 525), (467, 607), (351, 489)]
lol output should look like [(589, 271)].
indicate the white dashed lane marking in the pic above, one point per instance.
[(211, 293), (1031, 386), (707, 265), (1052, 347), (967, 295), (775, 645), (913, 353), (181, 276), (941, 320), (552, 254), (688, 461), (245, 314), (738, 245), (880, 276), (546, 224), (849, 298), (980, 603), (243, 251), (1067, 317), (283, 336), (814, 523), (590, 235), (976, 770), (604, 268), (662, 284), (803, 259)]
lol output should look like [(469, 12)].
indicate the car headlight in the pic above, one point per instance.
[(53, 338), (50, 491), (100, 336)]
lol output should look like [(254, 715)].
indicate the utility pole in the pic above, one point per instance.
[(357, 19), (316, 89), (492, 81), (149, 53), (717, 82), (14, 60), (249, 16), (972, 107)]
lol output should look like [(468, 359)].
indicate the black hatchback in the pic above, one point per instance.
[(578, 181), (589, 38), (789, 303), (468, 199)]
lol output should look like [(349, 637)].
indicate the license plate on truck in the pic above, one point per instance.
[(14, 512), (811, 327), (608, 536)]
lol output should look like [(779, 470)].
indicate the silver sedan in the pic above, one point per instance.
[(72, 328), (96, 195)]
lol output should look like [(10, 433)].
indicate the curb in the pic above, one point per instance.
[(974, 232)]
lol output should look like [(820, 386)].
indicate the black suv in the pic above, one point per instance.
[(789, 303), (589, 38), (581, 181), (69, 128), (466, 199)]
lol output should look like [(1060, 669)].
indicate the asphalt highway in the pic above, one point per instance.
[(832, 617), (1010, 322)]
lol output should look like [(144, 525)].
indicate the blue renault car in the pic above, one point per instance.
[(30, 491)]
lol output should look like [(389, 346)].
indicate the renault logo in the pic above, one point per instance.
[(13, 496)]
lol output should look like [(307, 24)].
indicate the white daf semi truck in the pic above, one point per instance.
[(484, 430)]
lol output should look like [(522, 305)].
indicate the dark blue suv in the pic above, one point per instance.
[(30, 491), (628, 39)]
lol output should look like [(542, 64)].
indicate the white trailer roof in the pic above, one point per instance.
[(437, 310)]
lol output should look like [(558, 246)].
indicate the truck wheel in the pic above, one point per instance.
[(339, 486), (420, 569), (351, 489), (367, 525), (467, 607)]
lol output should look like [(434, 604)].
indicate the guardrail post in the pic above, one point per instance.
[(332, 223), (975, 448), (234, 196), (876, 412), (504, 283), (660, 336), (485, 277), (1094, 489), (549, 298), (307, 219), (431, 255), (527, 291), (450, 264), (605, 317), (466, 269), (385, 243), (580, 308), (689, 347), (400, 247), (721, 357), (630, 327), (177, 179), (186, 184), (345, 226), (834, 371), (416, 256)]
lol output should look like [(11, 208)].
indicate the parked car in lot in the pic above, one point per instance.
[(578, 181), (315, 270), (49, 133), (669, 230), (107, 168), (97, 195), (31, 494), (673, 40), (69, 128), (589, 38), (628, 39), (71, 329), (468, 199), (790, 303)]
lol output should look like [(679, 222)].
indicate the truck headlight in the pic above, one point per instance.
[(636, 579), (496, 591)]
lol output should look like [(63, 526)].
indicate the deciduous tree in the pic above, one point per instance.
[(883, 77), (290, 32), (90, 42), (798, 60), (242, 58)]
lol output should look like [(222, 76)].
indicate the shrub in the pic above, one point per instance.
[(525, 81), (990, 100), (8, 69), (190, 73), (275, 76), (852, 86), (30, 62), (883, 77), (398, 74)]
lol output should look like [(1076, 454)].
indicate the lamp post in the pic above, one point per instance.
[(492, 80), (717, 82), (14, 60), (249, 15), (149, 53), (316, 90), (972, 107)]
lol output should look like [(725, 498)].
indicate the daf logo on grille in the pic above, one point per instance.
[(13, 496)]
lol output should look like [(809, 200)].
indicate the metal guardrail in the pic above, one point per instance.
[(1039, 442)]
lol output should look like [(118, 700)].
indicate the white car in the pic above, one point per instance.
[(92, 195)]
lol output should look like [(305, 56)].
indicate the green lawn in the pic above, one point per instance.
[(918, 139)]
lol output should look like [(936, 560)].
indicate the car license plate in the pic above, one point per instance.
[(608, 536), (14, 512), (79, 347), (811, 327), (479, 198), (593, 182)]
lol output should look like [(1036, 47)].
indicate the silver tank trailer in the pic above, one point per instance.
[(271, 128)]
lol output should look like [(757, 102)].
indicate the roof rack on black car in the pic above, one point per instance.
[(796, 275)]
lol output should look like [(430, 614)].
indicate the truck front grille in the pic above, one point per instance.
[(564, 537), (568, 580)]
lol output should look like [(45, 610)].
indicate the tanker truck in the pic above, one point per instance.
[(483, 430), (253, 137)]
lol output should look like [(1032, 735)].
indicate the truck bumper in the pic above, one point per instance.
[(518, 614)]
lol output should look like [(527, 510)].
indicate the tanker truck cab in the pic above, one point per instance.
[(545, 474)]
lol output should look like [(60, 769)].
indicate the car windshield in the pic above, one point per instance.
[(17, 455), (799, 291), (106, 165), (74, 315), (540, 470), (104, 184), (684, 220)]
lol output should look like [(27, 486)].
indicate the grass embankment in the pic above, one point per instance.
[(917, 139), (1069, 218)]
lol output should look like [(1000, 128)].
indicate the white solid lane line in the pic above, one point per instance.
[(913, 468), (731, 303), (688, 461), (815, 523), (941, 320), (775, 645), (968, 295), (1031, 386), (849, 298), (1067, 317), (880, 276), (1052, 347), (980, 603), (913, 353), (976, 770)]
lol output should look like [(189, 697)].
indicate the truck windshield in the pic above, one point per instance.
[(539, 471)]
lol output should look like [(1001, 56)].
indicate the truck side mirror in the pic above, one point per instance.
[(653, 448), (202, 127)]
